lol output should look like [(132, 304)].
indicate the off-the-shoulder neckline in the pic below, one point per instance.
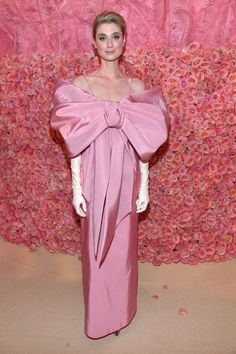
[(103, 100)]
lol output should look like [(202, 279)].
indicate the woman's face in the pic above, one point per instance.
[(109, 41)]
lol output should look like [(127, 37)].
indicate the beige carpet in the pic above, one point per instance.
[(41, 307)]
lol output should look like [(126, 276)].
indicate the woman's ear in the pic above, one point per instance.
[(124, 41), (95, 48)]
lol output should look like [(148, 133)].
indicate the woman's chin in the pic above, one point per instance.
[(111, 56)]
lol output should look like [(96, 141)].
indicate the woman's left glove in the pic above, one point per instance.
[(143, 197)]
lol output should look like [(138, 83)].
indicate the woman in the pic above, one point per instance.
[(111, 126)]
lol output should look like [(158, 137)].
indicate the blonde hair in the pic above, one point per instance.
[(109, 17)]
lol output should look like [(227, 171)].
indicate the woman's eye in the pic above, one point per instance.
[(115, 37)]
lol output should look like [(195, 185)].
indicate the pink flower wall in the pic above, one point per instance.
[(192, 213)]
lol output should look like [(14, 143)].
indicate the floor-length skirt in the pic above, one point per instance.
[(110, 292)]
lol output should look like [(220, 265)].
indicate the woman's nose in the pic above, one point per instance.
[(109, 42)]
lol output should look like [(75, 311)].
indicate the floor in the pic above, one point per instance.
[(182, 309)]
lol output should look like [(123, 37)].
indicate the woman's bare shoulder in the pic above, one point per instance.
[(80, 81), (137, 85), (83, 81)]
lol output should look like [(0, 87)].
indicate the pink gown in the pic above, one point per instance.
[(111, 138)]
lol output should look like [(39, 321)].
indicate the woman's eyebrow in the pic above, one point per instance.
[(104, 34)]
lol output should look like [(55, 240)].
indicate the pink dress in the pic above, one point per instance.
[(111, 138)]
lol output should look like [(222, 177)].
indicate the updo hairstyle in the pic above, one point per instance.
[(109, 17)]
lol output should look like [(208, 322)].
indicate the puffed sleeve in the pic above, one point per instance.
[(147, 122), (78, 121)]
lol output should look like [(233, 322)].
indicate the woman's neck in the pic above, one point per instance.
[(109, 69)]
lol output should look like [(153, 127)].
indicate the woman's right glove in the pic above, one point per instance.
[(78, 199)]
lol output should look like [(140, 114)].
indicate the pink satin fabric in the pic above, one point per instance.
[(136, 124), (112, 137)]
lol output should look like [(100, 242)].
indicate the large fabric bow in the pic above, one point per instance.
[(111, 136)]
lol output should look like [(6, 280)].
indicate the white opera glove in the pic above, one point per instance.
[(143, 197), (78, 199)]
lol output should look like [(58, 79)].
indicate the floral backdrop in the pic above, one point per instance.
[(192, 213)]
